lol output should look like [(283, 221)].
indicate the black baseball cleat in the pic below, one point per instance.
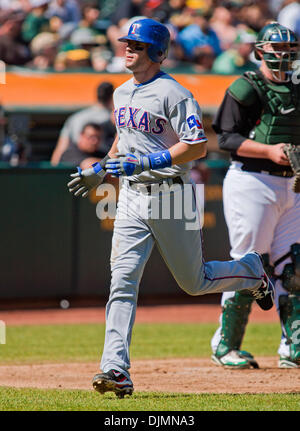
[(113, 381), (264, 294)]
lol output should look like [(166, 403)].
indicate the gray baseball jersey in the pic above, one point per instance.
[(154, 116)]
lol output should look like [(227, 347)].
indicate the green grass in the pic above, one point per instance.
[(61, 400), (57, 343), (84, 342)]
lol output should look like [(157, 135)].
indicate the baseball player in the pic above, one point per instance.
[(260, 113), (159, 134)]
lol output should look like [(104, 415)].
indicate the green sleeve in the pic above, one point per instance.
[(32, 26), (243, 91), (223, 64)]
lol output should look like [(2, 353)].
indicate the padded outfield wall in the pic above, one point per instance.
[(54, 245)]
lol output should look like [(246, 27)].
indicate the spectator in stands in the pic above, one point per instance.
[(127, 9), (100, 113), (297, 26), (108, 8), (12, 51), (6, 147), (64, 16), (200, 172), (44, 50), (96, 44), (290, 14), (236, 61), (36, 21), (90, 15), (89, 148), (85, 38), (203, 58), (89, 29), (100, 58), (175, 52), (275, 6), (64, 30), (181, 19), (73, 59), (199, 34), (67, 10), (7, 6), (14, 148), (163, 10), (254, 15), (235, 7), (88, 39), (221, 23)]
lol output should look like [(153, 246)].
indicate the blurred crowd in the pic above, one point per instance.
[(206, 35)]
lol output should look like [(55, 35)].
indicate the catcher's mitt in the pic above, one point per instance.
[(293, 154)]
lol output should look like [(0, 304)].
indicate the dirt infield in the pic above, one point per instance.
[(147, 314), (188, 375)]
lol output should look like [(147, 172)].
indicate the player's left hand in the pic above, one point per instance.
[(86, 180), (127, 164)]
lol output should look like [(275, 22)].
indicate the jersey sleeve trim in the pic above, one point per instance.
[(193, 141)]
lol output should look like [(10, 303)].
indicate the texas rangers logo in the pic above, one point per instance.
[(194, 121), (134, 27)]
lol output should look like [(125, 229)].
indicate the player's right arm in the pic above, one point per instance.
[(184, 153)]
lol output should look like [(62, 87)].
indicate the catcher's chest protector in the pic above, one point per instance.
[(280, 117)]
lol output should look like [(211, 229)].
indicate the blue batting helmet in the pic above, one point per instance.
[(153, 32)]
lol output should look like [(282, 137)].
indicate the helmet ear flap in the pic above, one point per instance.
[(157, 56)]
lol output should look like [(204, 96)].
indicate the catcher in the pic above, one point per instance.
[(258, 122)]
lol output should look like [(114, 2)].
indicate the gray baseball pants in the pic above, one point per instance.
[(137, 228)]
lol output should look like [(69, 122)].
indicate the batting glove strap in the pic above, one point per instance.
[(97, 169), (130, 164)]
